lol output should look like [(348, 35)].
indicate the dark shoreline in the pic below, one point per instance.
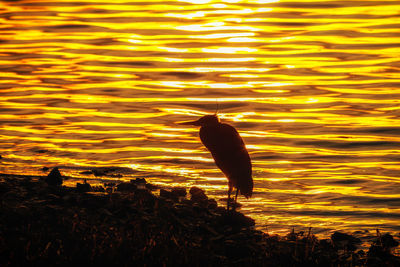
[(126, 224)]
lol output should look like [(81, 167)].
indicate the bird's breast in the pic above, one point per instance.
[(227, 149), (221, 137)]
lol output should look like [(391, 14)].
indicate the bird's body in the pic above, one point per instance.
[(229, 153)]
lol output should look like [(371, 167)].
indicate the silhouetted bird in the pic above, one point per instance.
[(229, 153)]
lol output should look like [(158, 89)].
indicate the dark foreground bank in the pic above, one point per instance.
[(43, 223)]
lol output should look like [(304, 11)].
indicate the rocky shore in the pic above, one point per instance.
[(127, 224)]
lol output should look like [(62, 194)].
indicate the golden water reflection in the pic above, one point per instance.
[(315, 95)]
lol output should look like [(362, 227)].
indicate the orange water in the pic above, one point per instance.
[(313, 87)]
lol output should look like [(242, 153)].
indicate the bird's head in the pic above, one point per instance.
[(206, 120)]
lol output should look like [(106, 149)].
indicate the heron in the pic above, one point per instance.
[(229, 153)]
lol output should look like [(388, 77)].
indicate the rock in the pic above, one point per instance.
[(151, 187), (85, 187), (174, 194), (109, 184), (292, 236), (144, 198), (139, 182), (232, 203), (179, 191), (126, 187), (345, 241), (45, 169), (382, 246), (42, 225), (109, 187), (165, 193), (235, 219), (388, 242), (54, 178), (197, 194), (380, 252), (98, 188), (237, 250), (212, 204)]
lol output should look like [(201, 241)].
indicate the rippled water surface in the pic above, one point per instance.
[(313, 87)]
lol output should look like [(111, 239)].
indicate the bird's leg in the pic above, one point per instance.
[(229, 196), (234, 204)]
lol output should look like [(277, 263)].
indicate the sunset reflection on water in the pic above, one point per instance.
[(313, 89)]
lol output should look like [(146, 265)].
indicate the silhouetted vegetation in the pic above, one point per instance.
[(127, 225)]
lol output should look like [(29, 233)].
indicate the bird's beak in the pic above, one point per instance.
[(196, 123)]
